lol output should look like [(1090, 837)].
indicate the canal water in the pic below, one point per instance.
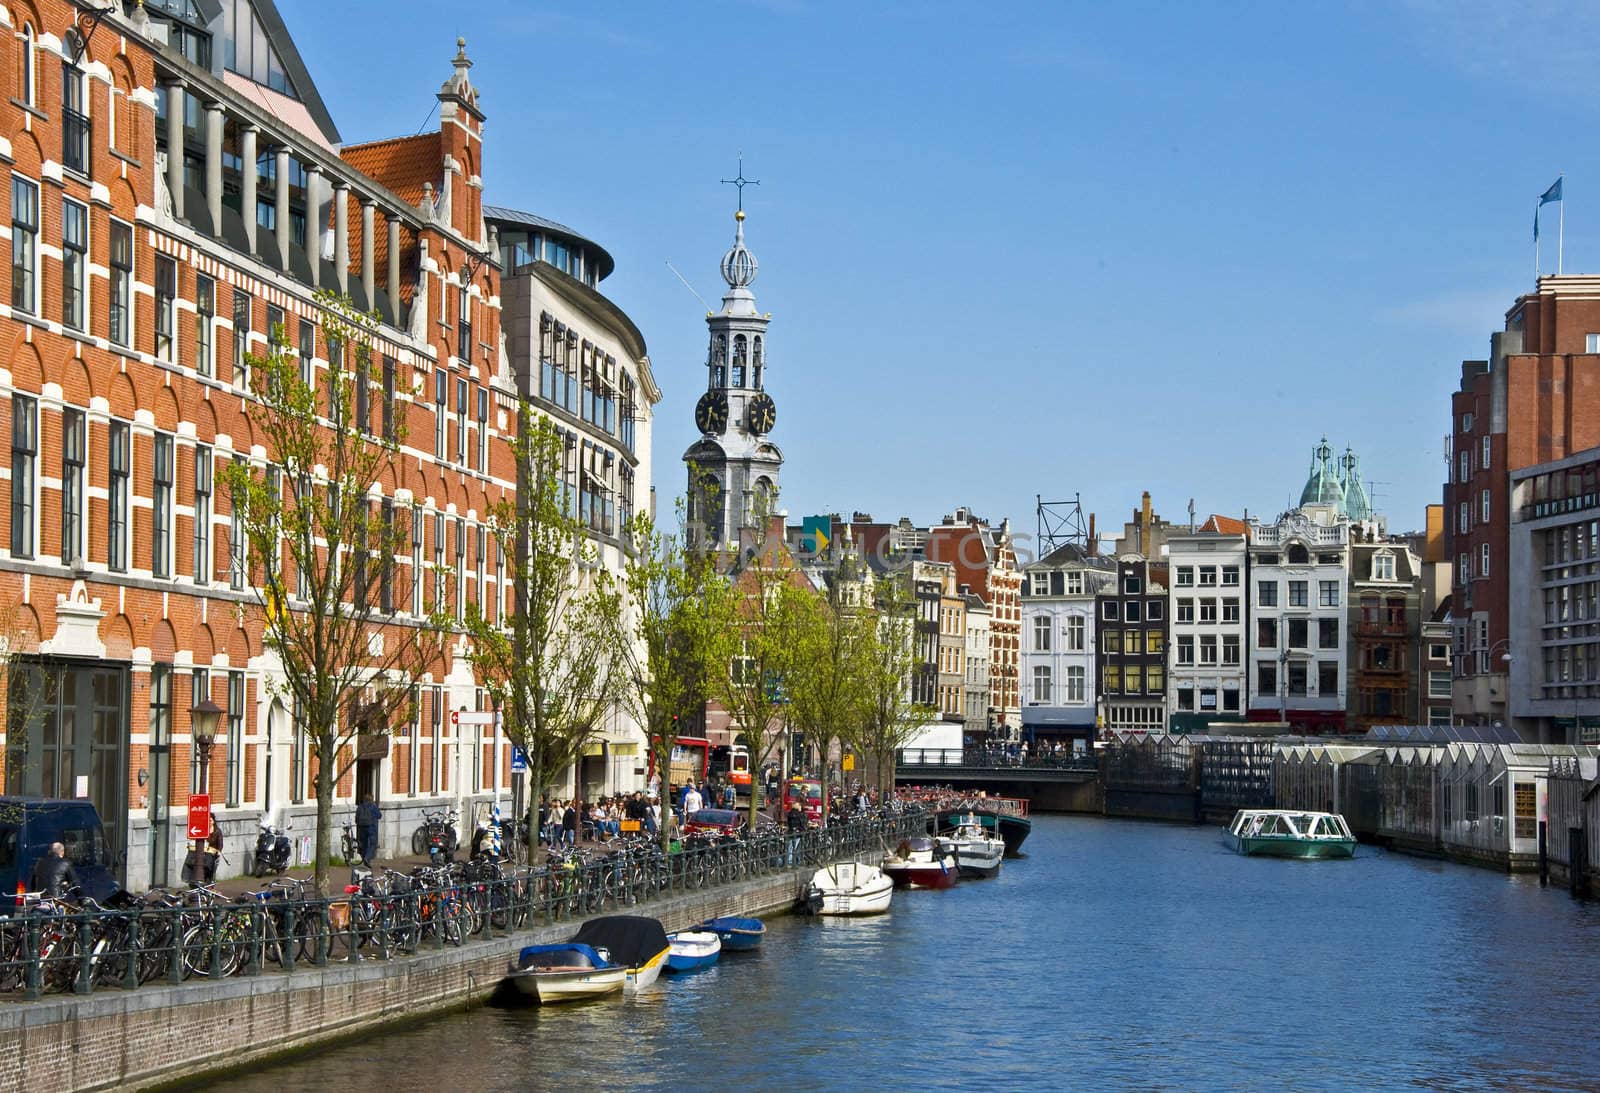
[(1115, 954)]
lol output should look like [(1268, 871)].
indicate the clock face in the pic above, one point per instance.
[(711, 412), (763, 415)]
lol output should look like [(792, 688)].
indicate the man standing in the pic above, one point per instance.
[(367, 817), (53, 874), (569, 825), (692, 801), (795, 821)]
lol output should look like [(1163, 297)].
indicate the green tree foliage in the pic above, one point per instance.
[(889, 717), (320, 551)]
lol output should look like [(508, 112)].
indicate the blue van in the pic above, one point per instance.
[(28, 825)]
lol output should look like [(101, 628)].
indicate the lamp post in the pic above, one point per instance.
[(203, 717)]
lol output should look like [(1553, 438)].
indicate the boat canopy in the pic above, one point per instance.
[(631, 939), (559, 956)]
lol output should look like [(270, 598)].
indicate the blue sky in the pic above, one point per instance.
[(1035, 249)]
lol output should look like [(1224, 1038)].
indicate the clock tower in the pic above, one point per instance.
[(733, 467)]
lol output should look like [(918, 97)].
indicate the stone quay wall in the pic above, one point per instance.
[(158, 1035)]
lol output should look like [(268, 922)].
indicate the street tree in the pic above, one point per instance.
[(548, 663), (318, 540), (889, 716), (676, 605)]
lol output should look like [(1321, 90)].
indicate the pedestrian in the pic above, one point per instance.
[(730, 796), (367, 816), (213, 852), (795, 822), (569, 825), (53, 874), (692, 801), (544, 819), (652, 810)]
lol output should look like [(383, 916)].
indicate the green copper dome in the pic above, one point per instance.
[(1323, 487)]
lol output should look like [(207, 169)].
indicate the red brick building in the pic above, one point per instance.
[(1536, 399), (177, 194), (985, 560)]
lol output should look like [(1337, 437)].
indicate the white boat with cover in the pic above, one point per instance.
[(978, 853), (850, 888)]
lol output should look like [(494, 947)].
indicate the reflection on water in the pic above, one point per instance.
[(1116, 954)]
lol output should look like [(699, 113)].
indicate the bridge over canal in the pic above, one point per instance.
[(1050, 783)]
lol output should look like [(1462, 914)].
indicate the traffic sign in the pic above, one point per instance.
[(468, 717), (519, 760), (199, 816)]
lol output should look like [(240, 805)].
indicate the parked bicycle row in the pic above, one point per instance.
[(74, 943)]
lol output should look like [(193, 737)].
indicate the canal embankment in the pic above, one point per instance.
[(164, 1034)]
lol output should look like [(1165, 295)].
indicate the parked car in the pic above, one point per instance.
[(28, 825), (719, 821)]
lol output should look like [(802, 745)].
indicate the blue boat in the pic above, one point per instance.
[(737, 934), (565, 973), (692, 950)]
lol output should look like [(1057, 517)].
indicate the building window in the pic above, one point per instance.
[(1185, 610), (386, 563), (441, 395), (25, 65), (235, 774), (308, 353), (483, 430), (461, 420), (1186, 698), (75, 130), (1111, 641), (1108, 610), (1183, 576), (1154, 642), (1230, 609), (1153, 611), (1267, 593), (388, 399), (1383, 567), (1266, 633), (1230, 650), (1208, 611), (24, 245), (166, 301), (1463, 517), (1208, 649), (1438, 684), (74, 264), (205, 316), (1463, 569), (1484, 458), (1298, 594), (1299, 634), (1464, 468), (202, 515), (461, 566), (1327, 677), (1327, 593), (1266, 677), (117, 496), (120, 328), (1208, 576), (1185, 647), (1041, 633), (1041, 684), (1131, 585), (363, 399), (1075, 634), (241, 338), (1298, 676), (1484, 507), (237, 554), (1132, 679), (1327, 633), (1230, 576), (417, 527), (73, 441), (24, 454), (1131, 611), (1483, 560), (161, 508)]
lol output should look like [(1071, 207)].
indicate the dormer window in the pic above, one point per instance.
[(1383, 566)]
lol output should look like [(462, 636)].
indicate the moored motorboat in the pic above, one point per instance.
[(1289, 833), (565, 973), (920, 862), (637, 943), (737, 934), (977, 853), (849, 888), (1005, 816), (691, 950)]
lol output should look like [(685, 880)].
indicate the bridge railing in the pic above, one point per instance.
[(991, 759)]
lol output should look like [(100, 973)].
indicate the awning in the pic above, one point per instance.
[(591, 750), (1058, 717)]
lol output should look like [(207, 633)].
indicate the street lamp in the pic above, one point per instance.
[(203, 718)]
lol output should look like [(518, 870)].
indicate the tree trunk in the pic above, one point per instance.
[(324, 825)]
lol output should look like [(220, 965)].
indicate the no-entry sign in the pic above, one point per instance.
[(200, 816)]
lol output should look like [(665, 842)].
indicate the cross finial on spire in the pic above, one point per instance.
[(741, 182)]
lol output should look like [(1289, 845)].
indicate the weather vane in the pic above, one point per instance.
[(741, 182)]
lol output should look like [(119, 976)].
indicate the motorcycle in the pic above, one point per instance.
[(272, 851)]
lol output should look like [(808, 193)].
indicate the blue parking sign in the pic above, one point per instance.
[(519, 760)]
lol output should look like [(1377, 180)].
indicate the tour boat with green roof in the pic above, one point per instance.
[(1287, 833)]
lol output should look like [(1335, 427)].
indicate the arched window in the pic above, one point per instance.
[(1298, 555), (719, 349), (26, 68), (741, 352)]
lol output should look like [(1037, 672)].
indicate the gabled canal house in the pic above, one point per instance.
[(1058, 634), (1207, 682), (178, 193)]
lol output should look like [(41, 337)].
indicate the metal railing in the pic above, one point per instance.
[(993, 759), (171, 936)]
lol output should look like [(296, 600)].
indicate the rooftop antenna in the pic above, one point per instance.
[(1060, 523), (690, 287), (1191, 516), (741, 182)]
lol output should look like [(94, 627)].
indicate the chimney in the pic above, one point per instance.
[(1094, 544)]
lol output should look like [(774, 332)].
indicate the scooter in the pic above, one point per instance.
[(272, 851)]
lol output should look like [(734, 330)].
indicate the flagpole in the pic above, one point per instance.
[(1537, 206), (1561, 229)]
